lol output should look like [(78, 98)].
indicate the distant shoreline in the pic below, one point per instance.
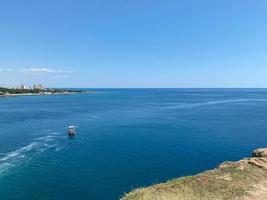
[(40, 94), (12, 92)]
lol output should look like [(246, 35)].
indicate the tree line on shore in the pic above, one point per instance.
[(4, 91)]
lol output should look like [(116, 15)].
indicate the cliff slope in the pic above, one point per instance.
[(242, 180)]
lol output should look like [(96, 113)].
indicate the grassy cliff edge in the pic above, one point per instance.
[(242, 180)]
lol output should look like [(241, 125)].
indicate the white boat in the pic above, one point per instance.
[(71, 130)]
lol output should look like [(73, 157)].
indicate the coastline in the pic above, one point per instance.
[(43, 94), (245, 179)]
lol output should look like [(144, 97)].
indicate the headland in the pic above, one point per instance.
[(241, 180), (36, 91)]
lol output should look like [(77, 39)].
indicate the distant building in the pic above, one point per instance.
[(38, 87), (23, 87)]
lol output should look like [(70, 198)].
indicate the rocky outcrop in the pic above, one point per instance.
[(261, 152)]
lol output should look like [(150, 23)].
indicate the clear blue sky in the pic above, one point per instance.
[(137, 43)]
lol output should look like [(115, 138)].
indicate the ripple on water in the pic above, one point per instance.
[(211, 103)]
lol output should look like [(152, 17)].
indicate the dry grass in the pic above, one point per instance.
[(229, 181)]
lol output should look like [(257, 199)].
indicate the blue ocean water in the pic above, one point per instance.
[(127, 138)]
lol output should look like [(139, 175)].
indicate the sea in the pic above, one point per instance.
[(126, 139)]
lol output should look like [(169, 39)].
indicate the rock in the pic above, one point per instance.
[(259, 162), (262, 152)]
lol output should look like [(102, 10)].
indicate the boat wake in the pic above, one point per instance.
[(25, 153)]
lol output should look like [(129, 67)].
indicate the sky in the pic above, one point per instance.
[(134, 44)]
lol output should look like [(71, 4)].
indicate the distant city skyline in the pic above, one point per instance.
[(134, 44)]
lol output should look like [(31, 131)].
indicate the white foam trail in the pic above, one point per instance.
[(39, 145), (45, 137), (28, 147), (213, 103), (9, 155), (55, 133), (18, 152)]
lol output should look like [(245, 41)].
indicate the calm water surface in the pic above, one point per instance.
[(126, 139)]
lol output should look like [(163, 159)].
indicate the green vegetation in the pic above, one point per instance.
[(17, 91), (5, 91), (245, 179)]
